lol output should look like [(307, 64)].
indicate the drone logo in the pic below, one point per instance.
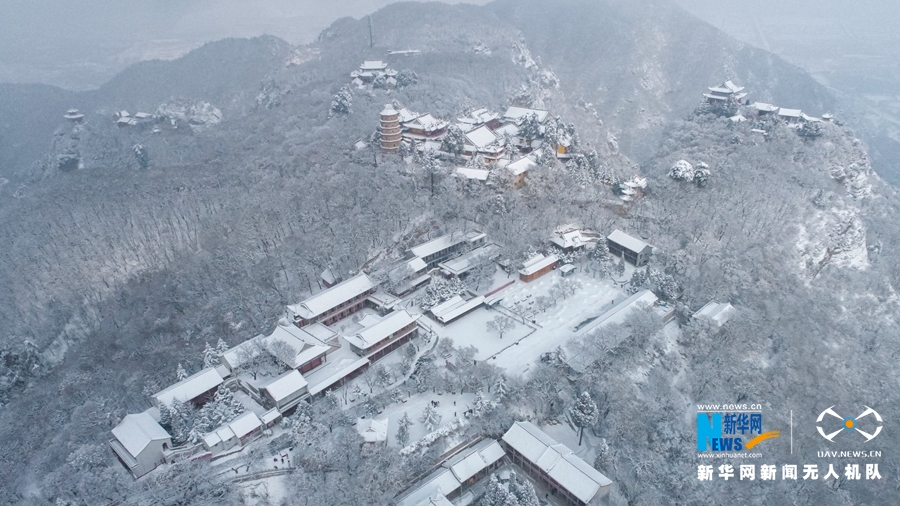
[(849, 424)]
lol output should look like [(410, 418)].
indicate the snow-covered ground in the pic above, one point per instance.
[(542, 331), (414, 407)]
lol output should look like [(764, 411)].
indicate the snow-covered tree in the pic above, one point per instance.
[(406, 77), (221, 346), (501, 390), (403, 429), (530, 128), (701, 177), (141, 155), (454, 141), (210, 357), (397, 395), (409, 352), (682, 170), (282, 351), (584, 414), (620, 267), (445, 347), (497, 494), (523, 491), (638, 280), (600, 252), (342, 102), (382, 376), (180, 373), (500, 324), (430, 417), (482, 405)]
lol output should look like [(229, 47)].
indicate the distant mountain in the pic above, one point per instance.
[(203, 222), (642, 63)]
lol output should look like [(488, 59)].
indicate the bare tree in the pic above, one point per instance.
[(500, 324)]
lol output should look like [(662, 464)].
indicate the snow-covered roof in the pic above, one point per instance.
[(286, 385), (376, 333), (789, 113), (449, 310), (463, 263), (518, 113), (718, 312), (569, 239), (438, 499), (372, 430), (190, 387), (270, 416), (426, 122), (738, 118), (471, 461), (481, 137), (328, 276), (373, 65), (235, 356), (727, 87), (245, 424), (636, 182), (556, 460), (764, 107), (389, 110), (343, 372), (827, 116), (440, 482), (478, 116), (567, 268), (643, 298), (142, 115), (627, 241), (809, 118), (442, 243), (508, 129), (306, 346), (714, 97), (536, 263), (406, 115), (320, 332), (357, 81), (136, 431), (328, 299), (521, 165), (417, 264), (469, 173)]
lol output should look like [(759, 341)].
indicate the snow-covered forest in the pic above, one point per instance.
[(206, 225)]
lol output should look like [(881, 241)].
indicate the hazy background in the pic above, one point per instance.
[(80, 45), (851, 47)]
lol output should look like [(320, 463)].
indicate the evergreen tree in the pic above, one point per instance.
[(210, 358), (454, 141), (180, 373), (497, 495), (584, 413), (523, 491), (501, 391), (403, 430), (600, 252), (342, 102), (620, 267), (221, 346), (430, 417)]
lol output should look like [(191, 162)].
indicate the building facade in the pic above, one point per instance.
[(390, 129)]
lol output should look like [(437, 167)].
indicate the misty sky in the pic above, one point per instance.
[(80, 44)]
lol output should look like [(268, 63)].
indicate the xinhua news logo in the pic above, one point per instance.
[(868, 424), (735, 428)]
